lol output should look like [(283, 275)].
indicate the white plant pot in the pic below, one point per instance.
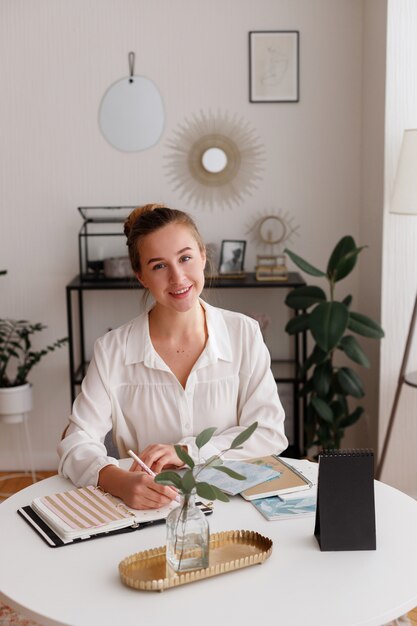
[(15, 403)]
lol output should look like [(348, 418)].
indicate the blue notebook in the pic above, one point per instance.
[(273, 508)]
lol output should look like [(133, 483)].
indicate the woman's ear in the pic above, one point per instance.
[(139, 277)]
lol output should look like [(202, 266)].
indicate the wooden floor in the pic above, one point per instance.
[(19, 481)]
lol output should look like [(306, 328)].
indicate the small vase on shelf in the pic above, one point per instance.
[(188, 536)]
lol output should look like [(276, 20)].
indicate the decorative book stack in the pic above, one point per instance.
[(271, 267)]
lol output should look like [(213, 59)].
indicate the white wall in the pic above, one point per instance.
[(399, 244), (57, 58)]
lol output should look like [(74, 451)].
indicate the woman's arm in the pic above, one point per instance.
[(82, 451)]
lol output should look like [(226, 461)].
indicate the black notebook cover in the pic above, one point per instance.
[(345, 514), (54, 541)]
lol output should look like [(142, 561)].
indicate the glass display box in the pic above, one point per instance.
[(102, 243)]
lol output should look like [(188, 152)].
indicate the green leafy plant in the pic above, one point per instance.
[(187, 483), (16, 355), (327, 384)]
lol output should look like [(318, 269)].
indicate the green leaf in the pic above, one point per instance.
[(188, 482), (319, 355), (353, 350), (350, 382), (303, 265), (328, 322), (305, 297), (347, 301), (184, 456), (343, 259), (205, 490), (322, 378), (297, 324), (205, 436), (352, 418), (243, 436), (230, 472), (169, 478), (322, 409), (364, 326), (210, 492), (315, 358), (339, 408)]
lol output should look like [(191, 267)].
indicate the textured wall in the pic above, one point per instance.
[(57, 58)]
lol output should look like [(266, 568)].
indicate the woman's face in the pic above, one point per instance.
[(172, 267)]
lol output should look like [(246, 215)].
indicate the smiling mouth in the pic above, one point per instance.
[(181, 292)]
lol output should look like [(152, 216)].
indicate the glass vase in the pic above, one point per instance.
[(188, 536)]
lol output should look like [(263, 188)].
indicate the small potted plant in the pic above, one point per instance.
[(16, 361), (187, 527)]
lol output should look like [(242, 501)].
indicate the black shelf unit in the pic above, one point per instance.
[(285, 371)]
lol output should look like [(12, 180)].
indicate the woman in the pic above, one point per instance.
[(176, 369)]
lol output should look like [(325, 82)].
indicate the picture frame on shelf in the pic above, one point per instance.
[(274, 66), (232, 257)]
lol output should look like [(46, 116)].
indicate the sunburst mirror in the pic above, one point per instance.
[(215, 159)]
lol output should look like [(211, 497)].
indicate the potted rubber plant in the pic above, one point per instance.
[(17, 358), (329, 383), (187, 527)]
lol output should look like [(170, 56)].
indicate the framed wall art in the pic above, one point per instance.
[(274, 66)]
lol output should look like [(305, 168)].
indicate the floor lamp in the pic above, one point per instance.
[(404, 201)]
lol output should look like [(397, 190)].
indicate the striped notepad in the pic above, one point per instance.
[(82, 512)]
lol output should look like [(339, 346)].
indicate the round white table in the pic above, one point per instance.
[(79, 585)]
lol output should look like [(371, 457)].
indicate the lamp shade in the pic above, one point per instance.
[(404, 198)]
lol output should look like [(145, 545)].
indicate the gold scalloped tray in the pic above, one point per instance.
[(229, 550)]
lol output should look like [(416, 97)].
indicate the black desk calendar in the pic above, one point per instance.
[(345, 514)]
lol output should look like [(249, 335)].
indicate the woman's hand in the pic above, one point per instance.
[(159, 456), (136, 488)]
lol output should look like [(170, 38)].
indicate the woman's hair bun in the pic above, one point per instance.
[(137, 213)]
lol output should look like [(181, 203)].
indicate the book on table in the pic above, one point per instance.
[(86, 513), (288, 479), (254, 473)]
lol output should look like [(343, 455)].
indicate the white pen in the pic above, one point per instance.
[(141, 463), (146, 468)]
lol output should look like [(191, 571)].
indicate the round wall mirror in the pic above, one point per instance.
[(214, 160), (131, 115)]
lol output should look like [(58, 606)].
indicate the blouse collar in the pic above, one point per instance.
[(139, 347)]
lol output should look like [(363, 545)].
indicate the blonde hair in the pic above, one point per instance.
[(147, 219)]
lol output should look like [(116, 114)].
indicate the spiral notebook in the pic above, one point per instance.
[(88, 513), (345, 513)]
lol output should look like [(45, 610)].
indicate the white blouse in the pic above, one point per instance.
[(130, 389)]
